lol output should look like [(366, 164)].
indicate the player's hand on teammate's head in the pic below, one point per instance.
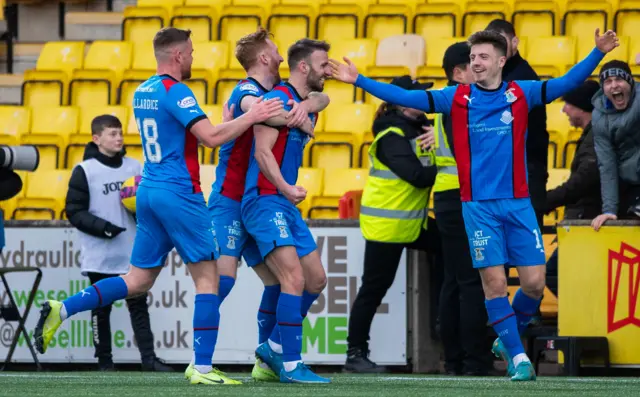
[(295, 194), (427, 141), (347, 73), (262, 110), (298, 114), (607, 42), (227, 112)]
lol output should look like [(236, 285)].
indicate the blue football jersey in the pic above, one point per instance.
[(165, 110), (233, 158), (288, 149)]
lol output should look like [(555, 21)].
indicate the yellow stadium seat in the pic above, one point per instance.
[(289, 23), (407, 50), (436, 20), (557, 176), (130, 82), (558, 126), (143, 57), (339, 92), (140, 24), (336, 183), (62, 56), (362, 52), (552, 56), (583, 17), (315, 5), (311, 179), (478, 14), (568, 152), (44, 88), (435, 52), (384, 21), (535, 18), (329, 150), (337, 22), (110, 55), (208, 59), (45, 194), (50, 130), (227, 80), (620, 53), (14, 122), (353, 119), (238, 21), (169, 5), (199, 19), (627, 19), (207, 178)]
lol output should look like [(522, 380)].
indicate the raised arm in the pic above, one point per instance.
[(555, 88)]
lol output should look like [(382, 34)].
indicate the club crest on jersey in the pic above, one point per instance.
[(479, 256), (510, 96), (187, 102), (507, 117), (248, 87), (283, 232)]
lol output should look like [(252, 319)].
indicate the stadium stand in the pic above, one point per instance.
[(44, 195), (73, 80), (337, 181)]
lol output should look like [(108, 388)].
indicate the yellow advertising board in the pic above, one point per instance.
[(599, 280)]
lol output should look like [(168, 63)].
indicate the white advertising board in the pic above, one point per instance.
[(56, 252)]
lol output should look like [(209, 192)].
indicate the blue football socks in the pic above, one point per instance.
[(102, 293), (288, 314), (503, 321), (525, 308), (267, 313), (225, 286), (206, 318), (307, 301)]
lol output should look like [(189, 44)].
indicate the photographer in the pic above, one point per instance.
[(107, 231), (393, 213), (24, 158)]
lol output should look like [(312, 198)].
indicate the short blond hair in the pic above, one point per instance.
[(248, 47)]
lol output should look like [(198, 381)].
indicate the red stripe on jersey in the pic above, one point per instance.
[(190, 148), (237, 165), (461, 139), (265, 187), (520, 113)]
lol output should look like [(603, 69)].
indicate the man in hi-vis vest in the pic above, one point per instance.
[(107, 231), (463, 318), (393, 212)]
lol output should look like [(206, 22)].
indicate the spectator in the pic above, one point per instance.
[(107, 231), (393, 212), (463, 318), (616, 117), (517, 68), (580, 194)]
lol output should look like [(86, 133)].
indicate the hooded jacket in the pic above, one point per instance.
[(77, 200), (580, 194), (396, 151), (617, 141)]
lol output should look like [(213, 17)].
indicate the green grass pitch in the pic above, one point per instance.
[(124, 384)]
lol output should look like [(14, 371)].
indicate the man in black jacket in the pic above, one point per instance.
[(107, 231), (580, 194), (517, 68)]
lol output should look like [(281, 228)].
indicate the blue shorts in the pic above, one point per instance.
[(503, 232), (232, 236), (167, 219), (275, 222)]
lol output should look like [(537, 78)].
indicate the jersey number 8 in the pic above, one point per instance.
[(149, 129)]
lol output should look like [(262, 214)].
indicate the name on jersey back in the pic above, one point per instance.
[(145, 104)]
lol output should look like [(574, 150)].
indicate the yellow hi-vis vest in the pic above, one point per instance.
[(392, 210), (447, 178)]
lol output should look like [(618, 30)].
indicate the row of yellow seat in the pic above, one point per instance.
[(111, 70), (342, 19), (44, 192)]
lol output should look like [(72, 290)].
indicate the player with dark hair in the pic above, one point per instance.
[(171, 209), (489, 133), (270, 215)]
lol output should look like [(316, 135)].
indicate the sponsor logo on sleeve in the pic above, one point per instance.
[(187, 102)]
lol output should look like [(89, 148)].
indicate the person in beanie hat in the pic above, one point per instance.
[(615, 119), (580, 194)]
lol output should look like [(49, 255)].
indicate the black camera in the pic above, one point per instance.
[(15, 158)]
